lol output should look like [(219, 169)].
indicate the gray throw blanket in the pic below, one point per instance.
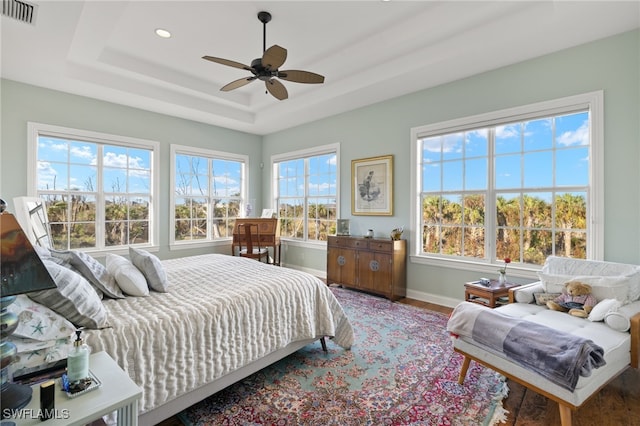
[(558, 356)]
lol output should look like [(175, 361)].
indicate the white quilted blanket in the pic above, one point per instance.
[(220, 314)]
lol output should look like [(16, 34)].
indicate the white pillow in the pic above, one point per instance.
[(128, 277), (38, 322), (602, 287), (602, 308), (617, 321), (151, 268), (620, 319)]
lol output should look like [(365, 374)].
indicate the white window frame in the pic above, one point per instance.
[(296, 155), (593, 101), (209, 154), (35, 130)]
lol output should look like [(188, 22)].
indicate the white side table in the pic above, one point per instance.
[(118, 392)]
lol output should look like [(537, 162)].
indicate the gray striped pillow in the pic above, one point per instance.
[(92, 270), (74, 298), (151, 268)]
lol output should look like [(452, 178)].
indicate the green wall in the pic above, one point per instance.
[(611, 65)]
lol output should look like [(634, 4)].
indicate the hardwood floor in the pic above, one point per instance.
[(617, 404)]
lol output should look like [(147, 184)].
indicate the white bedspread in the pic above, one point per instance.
[(220, 314)]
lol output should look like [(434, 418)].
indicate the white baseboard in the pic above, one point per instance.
[(432, 298), (318, 273), (411, 294)]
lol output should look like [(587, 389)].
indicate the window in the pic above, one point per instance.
[(520, 184), (99, 189), (306, 193), (208, 194)]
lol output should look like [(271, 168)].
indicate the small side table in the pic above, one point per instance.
[(118, 392), (491, 295)]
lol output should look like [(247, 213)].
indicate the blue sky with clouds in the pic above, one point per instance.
[(538, 154)]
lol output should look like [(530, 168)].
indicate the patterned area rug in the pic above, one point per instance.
[(401, 370)]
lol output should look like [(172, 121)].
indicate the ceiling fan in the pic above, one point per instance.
[(266, 67)]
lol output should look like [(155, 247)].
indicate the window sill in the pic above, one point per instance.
[(317, 245), (188, 245), (477, 267)]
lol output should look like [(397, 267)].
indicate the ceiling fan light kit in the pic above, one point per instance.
[(266, 67)]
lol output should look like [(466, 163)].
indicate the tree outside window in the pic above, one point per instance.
[(514, 189), (306, 186)]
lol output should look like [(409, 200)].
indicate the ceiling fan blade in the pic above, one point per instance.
[(237, 83), (298, 76), (228, 63), (274, 57), (277, 89)]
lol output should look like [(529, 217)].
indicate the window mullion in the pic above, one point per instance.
[(490, 214), (305, 210), (100, 199), (209, 201)]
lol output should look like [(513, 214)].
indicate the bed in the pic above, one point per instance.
[(221, 319)]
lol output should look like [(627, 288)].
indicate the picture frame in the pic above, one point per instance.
[(343, 227), (372, 186), (268, 213)]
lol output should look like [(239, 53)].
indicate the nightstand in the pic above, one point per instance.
[(118, 392), (491, 295)]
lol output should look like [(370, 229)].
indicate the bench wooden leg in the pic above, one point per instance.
[(463, 370), (565, 415), (323, 343)]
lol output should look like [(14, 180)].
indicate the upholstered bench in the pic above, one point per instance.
[(615, 328)]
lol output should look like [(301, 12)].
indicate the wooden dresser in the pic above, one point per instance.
[(369, 264)]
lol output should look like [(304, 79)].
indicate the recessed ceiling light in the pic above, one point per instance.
[(163, 33)]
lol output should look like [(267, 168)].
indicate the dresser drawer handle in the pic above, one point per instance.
[(374, 265)]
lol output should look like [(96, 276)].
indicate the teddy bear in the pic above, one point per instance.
[(576, 299)]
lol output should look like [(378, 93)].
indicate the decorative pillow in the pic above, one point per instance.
[(74, 298), (602, 287), (151, 268), (617, 321), (543, 298), (620, 319), (128, 277), (600, 310), (92, 270), (38, 322), (45, 253), (525, 294)]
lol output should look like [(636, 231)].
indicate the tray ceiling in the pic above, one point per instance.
[(368, 51)]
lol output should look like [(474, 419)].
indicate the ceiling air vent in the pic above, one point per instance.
[(19, 10)]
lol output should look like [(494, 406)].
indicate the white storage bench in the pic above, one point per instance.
[(614, 327)]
